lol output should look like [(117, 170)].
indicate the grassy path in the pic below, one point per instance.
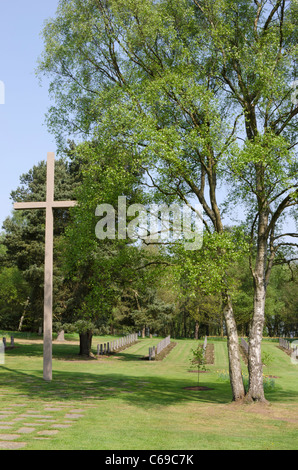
[(123, 402)]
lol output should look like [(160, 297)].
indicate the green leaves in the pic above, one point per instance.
[(267, 153), (207, 269), (14, 291), (177, 98)]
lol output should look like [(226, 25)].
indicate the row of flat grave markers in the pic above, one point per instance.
[(282, 342), (11, 342), (287, 345), (155, 350), (113, 346)]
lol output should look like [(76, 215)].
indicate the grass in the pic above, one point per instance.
[(131, 404)]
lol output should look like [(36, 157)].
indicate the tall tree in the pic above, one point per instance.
[(135, 74), (108, 274), (254, 51)]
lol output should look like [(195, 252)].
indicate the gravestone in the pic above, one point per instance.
[(60, 336)]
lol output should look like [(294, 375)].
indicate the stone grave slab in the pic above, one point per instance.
[(12, 445)]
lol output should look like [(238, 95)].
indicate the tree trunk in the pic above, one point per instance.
[(255, 366), (221, 325), (21, 322), (184, 323), (233, 351), (197, 330), (85, 343), (23, 316)]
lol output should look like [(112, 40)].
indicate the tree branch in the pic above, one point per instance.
[(287, 202)]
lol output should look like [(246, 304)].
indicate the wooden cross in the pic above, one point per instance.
[(48, 205)]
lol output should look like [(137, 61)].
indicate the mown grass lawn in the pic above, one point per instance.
[(123, 402)]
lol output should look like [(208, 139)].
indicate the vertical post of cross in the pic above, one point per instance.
[(48, 271), (48, 205)]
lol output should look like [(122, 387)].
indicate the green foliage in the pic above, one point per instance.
[(80, 327), (159, 96), (267, 359), (114, 281), (24, 240), (208, 269), (198, 359), (268, 383), (14, 291)]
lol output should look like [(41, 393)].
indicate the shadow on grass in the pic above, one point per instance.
[(143, 391), (60, 351), (139, 389), (65, 352), (126, 356)]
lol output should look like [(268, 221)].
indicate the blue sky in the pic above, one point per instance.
[(24, 140)]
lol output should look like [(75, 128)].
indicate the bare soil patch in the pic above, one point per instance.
[(165, 352), (287, 351), (209, 355), (276, 413), (199, 371), (40, 341), (162, 354)]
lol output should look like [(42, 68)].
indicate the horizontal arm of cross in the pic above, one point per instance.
[(62, 204), (44, 205), (29, 205)]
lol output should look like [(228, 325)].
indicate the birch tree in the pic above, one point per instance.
[(254, 47)]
